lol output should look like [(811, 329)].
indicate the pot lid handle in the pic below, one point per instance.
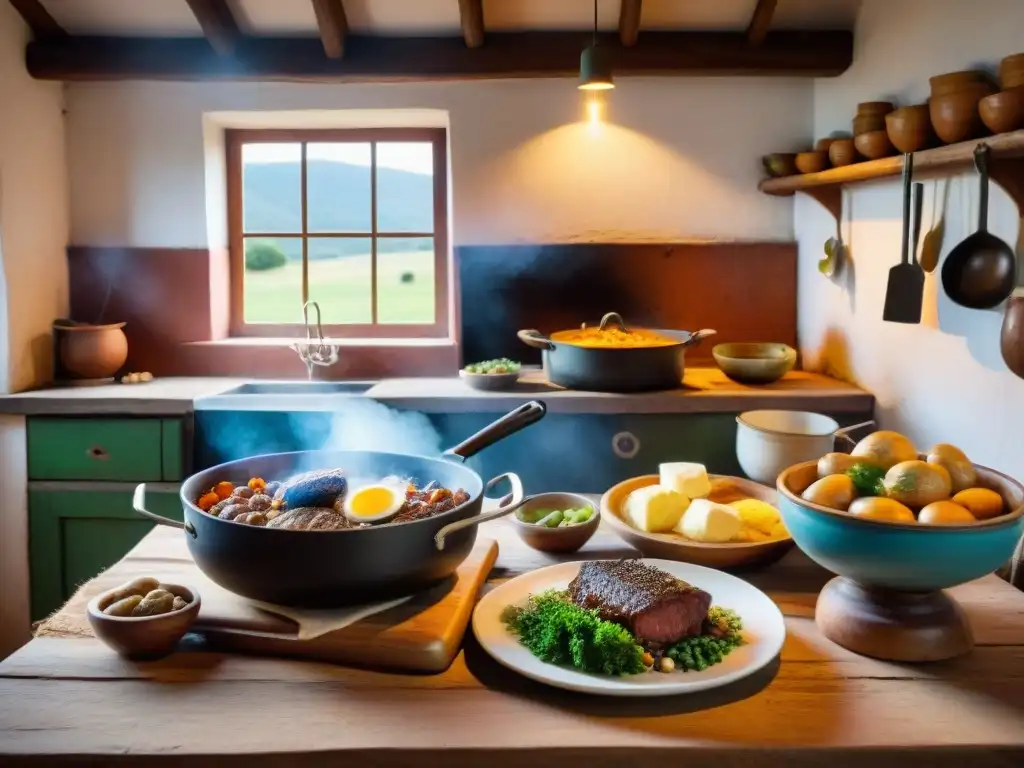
[(535, 339)]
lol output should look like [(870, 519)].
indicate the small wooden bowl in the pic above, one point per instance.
[(567, 539), (145, 637), (955, 116), (1011, 71), (490, 382), (874, 145), (672, 546), (953, 82), (875, 108), (754, 362), (842, 152), (822, 145), (910, 128), (780, 164), (812, 162), (867, 124), (1004, 111)]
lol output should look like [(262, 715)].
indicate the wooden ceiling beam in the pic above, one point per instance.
[(218, 24), (381, 59), (39, 20), (330, 17), (471, 14), (629, 21), (760, 21)]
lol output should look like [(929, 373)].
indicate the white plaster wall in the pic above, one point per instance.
[(33, 212), (945, 379), (676, 158)]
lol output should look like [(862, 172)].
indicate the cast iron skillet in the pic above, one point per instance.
[(614, 369), (333, 568)]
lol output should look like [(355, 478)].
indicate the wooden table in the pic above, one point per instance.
[(70, 700)]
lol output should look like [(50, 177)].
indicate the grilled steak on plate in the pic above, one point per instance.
[(655, 606)]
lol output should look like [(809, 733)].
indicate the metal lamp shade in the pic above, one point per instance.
[(595, 70)]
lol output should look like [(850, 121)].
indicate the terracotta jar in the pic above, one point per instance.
[(92, 351)]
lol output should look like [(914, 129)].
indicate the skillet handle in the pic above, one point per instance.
[(698, 336), (507, 505), (139, 505), (535, 339), (513, 421)]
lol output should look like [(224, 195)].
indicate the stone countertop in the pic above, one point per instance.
[(704, 390)]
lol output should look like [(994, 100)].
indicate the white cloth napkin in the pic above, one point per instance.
[(315, 622)]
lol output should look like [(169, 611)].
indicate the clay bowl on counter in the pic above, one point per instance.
[(1004, 111), (754, 362), (812, 162), (953, 82), (144, 637), (672, 546), (545, 539), (780, 164), (842, 152), (874, 145), (955, 116), (910, 128), (1011, 71)]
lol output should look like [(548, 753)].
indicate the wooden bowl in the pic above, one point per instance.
[(1004, 111), (910, 128), (874, 144), (672, 546), (952, 82), (780, 164), (490, 382), (812, 162), (144, 637), (842, 152), (567, 539), (875, 108), (868, 123), (822, 145), (1011, 71), (754, 362), (955, 116)]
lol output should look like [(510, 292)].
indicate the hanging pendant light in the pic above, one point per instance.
[(595, 65)]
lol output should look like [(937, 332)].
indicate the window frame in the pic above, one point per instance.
[(438, 137)]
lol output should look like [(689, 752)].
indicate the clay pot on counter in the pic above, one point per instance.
[(91, 351), (955, 115), (1004, 111), (910, 128)]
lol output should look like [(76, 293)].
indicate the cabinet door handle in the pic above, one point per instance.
[(97, 452)]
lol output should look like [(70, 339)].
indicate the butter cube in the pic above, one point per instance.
[(687, 478), (654, 509), (710, 522)]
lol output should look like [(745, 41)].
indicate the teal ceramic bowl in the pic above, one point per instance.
[(909, 557)]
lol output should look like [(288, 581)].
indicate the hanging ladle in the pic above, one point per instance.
[(979, 273)]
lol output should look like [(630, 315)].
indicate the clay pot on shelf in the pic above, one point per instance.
[(1004, 111), (874, 145), (953, 82), (812, 162), (910, 128), (842, 152), (875, 108), (955, 115), (780, 164), (1011, 71), (822, 145), (91, 351)]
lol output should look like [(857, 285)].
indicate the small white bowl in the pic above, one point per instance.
[(490, 382)]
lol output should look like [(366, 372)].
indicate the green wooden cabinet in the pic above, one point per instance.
[(82, 472)]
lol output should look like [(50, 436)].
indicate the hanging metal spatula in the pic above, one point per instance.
[(905, 292)]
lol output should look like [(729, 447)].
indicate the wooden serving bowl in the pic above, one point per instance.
[(875, 108), (842, 152), (822, 145), (1011, 71), (910, 128), (868, 123), (1004, 111), (672, 546), (812, 162), (559, 540), (952, 82), (144, 637), (955, 116), (780, 164), (874, 144)]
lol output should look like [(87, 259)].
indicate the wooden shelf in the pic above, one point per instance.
[(1006, 168)]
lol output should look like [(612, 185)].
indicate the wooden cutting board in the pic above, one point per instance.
[(423, 634)]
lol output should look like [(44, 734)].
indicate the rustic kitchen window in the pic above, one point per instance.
[(355, 220)]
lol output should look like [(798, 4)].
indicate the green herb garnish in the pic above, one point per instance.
[(700, 652), (499, 365), (867, 479)]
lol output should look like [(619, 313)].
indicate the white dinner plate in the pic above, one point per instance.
[(763, 630)]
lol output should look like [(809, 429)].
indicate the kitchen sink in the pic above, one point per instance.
[(301, 388)]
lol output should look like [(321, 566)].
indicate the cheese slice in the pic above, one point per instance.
[(654, 509), (710, 522), (686, 477)]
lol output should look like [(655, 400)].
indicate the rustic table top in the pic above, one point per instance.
[(67, 699)]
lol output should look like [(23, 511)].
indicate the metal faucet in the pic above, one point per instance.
[(315, 352)]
